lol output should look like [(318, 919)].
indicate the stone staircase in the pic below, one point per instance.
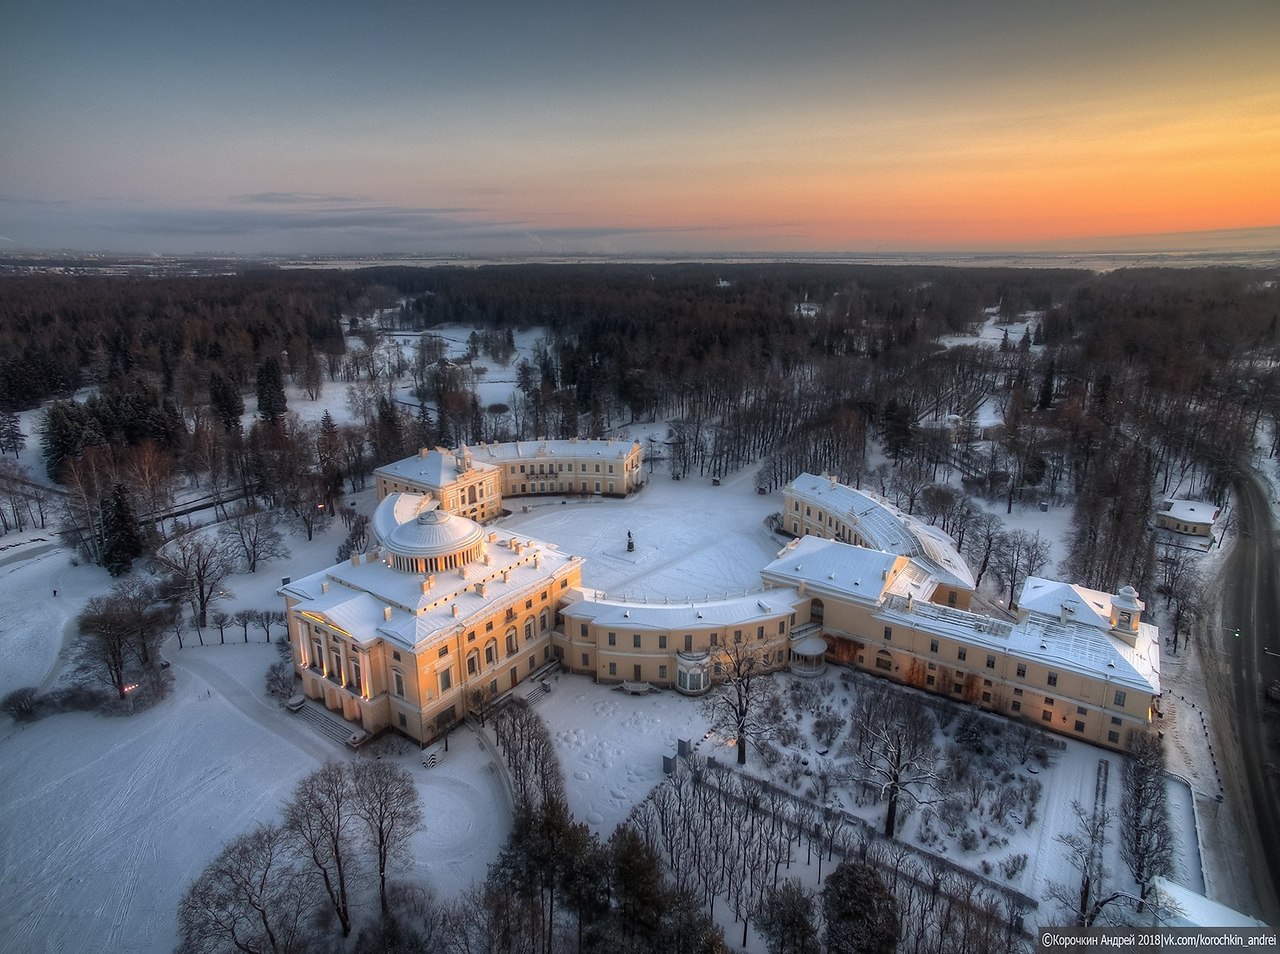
[(327, 725)]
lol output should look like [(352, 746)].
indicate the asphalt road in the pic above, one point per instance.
[(1251, 603)]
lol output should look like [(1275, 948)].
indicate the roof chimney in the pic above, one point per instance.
[(386, 613)]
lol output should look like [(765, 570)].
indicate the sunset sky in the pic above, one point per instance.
[(589, 127)]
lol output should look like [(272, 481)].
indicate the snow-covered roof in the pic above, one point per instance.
[(550, 449), (1070, 647), (883, 526), (435, 469), (367, 598), (1186, 908), (411, 525), (1050, 598), (1190, 511), (745, 610), (835, 568)]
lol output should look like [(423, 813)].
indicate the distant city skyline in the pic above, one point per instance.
[(663, 128)]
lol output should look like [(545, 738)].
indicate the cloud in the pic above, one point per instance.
[(297, 198)]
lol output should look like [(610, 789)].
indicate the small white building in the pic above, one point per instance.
[(1191, 517)]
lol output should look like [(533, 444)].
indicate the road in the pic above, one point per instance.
[(1251, 604)]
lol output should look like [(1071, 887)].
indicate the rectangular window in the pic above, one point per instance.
[(1046, 716), (1048, 701), (1015, 706), (613, 669), (888, 632), (986, 697), (636, 673), (662, 672), (929, 680), (961, 654), (1079, 726), (399, 682), (933, 645), (586, 660), (885, 664), (951, 597), (471, 636), (991, 662), (488, 627), (957, 688), (1053, 678), (1022, 670), (1120, 697), (759, 632), (1113, 737), (444, 651), (688, 642), (533, 662), (1017, 692), (528, 604), (737, 635), (782, 627), (662, 641), (395, 654), (446, 680), (635, 641), (613, 639), (1081, 710), (1115, 720)]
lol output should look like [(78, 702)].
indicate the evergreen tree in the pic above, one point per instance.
[(11, 437), (786, 919), (861, 914), (121, 536), (227, 404), (329, 456), (1024, 344), (271, 400)]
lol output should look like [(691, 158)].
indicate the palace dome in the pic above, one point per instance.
[(421, 538)]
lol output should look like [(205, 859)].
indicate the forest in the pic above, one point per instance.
[(1124, 386)]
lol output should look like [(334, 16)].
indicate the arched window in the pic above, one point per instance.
[(491, 652), (473, 662), (397, 678), (528, 628), (817, 610), (542, 622)]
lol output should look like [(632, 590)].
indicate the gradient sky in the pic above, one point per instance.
[(563, 126)]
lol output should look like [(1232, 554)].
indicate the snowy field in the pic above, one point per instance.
[(110, 818)]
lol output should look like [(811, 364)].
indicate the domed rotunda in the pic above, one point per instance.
[(420, 538)]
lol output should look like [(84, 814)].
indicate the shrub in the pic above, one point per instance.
[(1012, 866), (21, 704)]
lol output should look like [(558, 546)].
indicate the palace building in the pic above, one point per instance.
[(399, 637), (472, 481)]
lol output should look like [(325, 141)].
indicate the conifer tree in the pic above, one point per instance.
[(12, 440), (271, 400), (121, 536)]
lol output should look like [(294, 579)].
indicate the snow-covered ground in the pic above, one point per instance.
[(109, 819)]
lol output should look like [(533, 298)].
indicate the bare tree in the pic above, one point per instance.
[(900, 758), (1146, 836), (386, 801), (1086, 847), (254, 532), (318, 820), (106, 642), (737, 706), (200, 564), (251, 899), (280, 680)]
